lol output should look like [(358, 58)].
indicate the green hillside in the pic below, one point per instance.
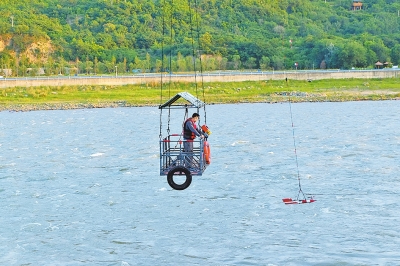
[(104, 36)]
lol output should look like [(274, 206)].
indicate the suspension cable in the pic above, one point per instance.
[(162, 65), (295, 150), (185, 116), (170, 62), (193, 47), (200, 60)]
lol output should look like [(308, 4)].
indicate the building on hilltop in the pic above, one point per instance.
[(357, 5)]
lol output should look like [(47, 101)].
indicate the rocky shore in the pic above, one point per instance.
[(273, 98), (61, 106)]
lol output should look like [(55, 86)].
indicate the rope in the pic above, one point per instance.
[(185, 117), (160, 135), (295, 151), (170, 64), (193, 47), (199, 54), (162, 67), (171, 36), (169, 119)]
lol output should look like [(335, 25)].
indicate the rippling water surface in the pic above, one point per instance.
[(82, 187)]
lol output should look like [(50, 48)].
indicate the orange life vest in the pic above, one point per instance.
[(187, 133)]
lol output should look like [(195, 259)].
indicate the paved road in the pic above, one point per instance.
[(226, 76)]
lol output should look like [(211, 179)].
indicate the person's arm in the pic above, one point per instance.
[(201, 135), (194, 130)]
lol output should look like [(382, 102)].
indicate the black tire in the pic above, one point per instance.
[(179, 170)]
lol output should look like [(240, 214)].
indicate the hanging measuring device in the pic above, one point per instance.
[(177, 161), (301, 197)]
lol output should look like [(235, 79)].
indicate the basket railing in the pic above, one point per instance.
[(172, 154)]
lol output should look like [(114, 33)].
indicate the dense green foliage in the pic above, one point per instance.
[(104, 36)]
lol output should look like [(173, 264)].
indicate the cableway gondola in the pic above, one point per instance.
[(174, 160)]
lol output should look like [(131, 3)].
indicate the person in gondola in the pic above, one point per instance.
[(190, 132)]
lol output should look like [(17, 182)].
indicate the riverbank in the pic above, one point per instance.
[(270, 91)]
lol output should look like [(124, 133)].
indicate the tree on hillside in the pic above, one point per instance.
[(395, 54), (231, 33), (350, 54), (265, 62)]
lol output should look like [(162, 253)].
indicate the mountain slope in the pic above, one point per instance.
[(97, 35)]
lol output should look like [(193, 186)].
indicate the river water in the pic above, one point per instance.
[(82, 187)]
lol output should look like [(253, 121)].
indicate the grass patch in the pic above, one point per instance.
[(212, 93)]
